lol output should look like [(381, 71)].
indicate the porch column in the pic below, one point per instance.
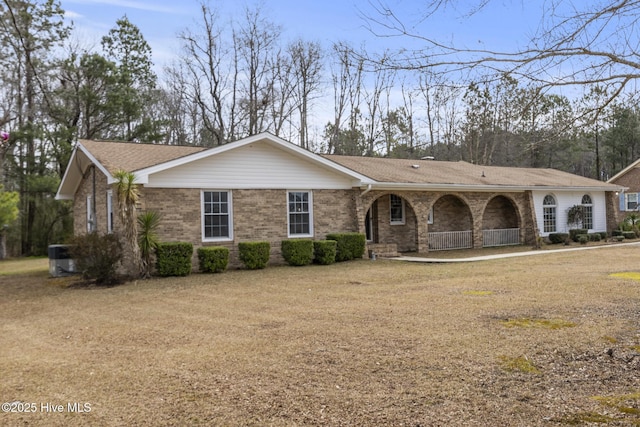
[(360, 214), (476, 218), (422, 228), (529, 222)]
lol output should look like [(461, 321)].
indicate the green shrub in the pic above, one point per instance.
[(324, 251), (297, 252), (97, 257), (594, 237), (576, 232), (615, 233), (254, 255), (603, 235), (582, 238), (558, 237), (174, 258), (629, 234), (349, 245), (213, 259)]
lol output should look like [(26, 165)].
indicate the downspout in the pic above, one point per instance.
[(93, 201), (367, 190)]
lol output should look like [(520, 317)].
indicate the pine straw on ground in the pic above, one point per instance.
[(545, 340)]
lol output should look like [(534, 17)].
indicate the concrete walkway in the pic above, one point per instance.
[(507, 255)]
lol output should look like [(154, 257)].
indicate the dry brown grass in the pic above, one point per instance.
[(358, 343)]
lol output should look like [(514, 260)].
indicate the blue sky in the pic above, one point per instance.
[(501, 25)]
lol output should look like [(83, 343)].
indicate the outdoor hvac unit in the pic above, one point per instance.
[(60, 262)]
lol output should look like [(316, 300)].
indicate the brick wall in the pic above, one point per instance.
[(262, 215), (257, 215), (451, 212)]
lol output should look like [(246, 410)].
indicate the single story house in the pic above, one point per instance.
[(629, 199), (265, 188)]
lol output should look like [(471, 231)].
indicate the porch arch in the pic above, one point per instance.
[(501, 222), (381, 228), (452, 224)]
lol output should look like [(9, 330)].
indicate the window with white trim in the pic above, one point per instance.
[(430, 216), (300, 213), (631, 201), (396, 209), (109, 211), (91, 221), (217, 220), (587, 212), (549, 214)]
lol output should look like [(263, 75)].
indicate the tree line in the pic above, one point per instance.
[(237, 77)]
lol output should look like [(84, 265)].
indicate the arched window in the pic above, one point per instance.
[(549, 214), (587, 212)]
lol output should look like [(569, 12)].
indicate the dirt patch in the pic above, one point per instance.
[(358, 343)]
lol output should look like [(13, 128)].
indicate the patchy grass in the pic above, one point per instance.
[(632, 275), (518, 364), (379, 343), (478, 293), (624, 403), (538, 323), (24, 266)]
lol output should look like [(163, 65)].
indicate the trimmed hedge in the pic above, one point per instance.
[(324, 251), (575, 233), (297, 252), (629, 234), (213, 259), (174, 259), (349, 245), (595, 237), (558, 237), (254, 255), (582, 238)]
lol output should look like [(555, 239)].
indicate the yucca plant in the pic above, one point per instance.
[(128, 195), (148, 223)]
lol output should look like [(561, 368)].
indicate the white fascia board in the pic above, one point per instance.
[(79, 151), (624, 171), (482, 188), (143, 174)]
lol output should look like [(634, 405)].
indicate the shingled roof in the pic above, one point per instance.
[(367, 172), (386, 170), (132, 157)]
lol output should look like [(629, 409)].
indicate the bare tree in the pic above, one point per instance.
[(576, 44), (207, 79), (307, 69), (256, 41)]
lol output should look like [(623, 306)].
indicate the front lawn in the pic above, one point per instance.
[(545, 340)]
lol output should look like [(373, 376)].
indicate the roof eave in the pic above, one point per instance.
[(483, 188), (67, 189)]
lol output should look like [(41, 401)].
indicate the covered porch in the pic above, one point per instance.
[(422, 222)]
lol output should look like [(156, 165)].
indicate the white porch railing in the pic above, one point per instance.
[(447, 240), (501, 237)]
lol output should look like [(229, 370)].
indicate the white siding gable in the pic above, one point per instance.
[(255, 166), (565, 200)]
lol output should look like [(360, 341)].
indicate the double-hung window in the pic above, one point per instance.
[(109, 211), (396, 209), (217, 221), (91, 218), (631, 201), (300, 213), (587, 212), (549, 214)]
